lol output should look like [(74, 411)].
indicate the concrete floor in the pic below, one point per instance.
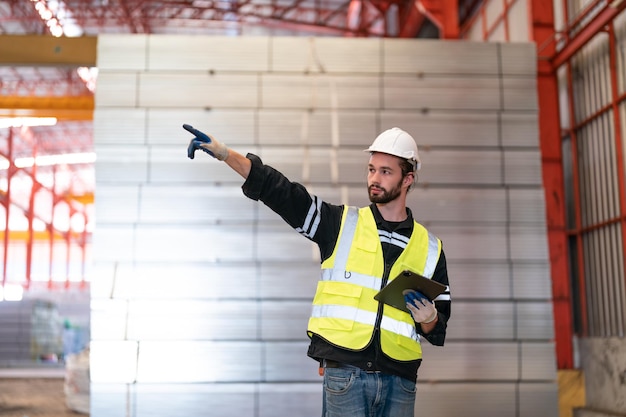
[(34, 397), (40, 394), (35, 392)]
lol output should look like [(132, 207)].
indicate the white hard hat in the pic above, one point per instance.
[(396, 141)]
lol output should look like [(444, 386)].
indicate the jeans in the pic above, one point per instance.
[(350, 391)]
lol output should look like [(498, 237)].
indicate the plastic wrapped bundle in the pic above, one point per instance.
[(77, 382)]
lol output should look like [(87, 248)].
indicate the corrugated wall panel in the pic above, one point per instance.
[(288, 280), (422, 92), (287, 362), (305, 91), (121, 164), (602, 275), (531, 280), (483, 321), (468, 399), (196, 89), (537, 362), (518, 59), (295, 399), (315, 128), (519, 93), (210, 205), (440, 57), (118, 203), (526, 206), (482, 279), (116, 89), (112, 361), (435, 127), (534, 321), (121, 52), (450, 205), (519, 129), (163, 125), (468, 167), (169, 165), (465, 361), (227, 361), (198, 289), (208, 54), (319, 55), (120, 125), (533, 398)]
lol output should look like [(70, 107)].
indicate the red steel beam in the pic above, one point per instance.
[(444, 14), (597, 24), (412, 20), (542, 18)]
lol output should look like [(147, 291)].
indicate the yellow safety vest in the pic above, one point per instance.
[(344, 310)]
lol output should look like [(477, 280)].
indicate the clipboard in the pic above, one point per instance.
[(393, 293)]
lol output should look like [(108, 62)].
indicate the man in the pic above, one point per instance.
[(369, 353)]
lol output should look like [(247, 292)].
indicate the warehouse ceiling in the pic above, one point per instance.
[(234, 17), (61, 91)]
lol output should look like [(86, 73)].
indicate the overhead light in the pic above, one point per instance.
[(57, 17), (60, 159), (11, 292), (27, 121), (89, 75), (48, 160)]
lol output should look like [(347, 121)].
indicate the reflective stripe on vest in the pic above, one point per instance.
[(365, 317), (433, 256), (345, 240)]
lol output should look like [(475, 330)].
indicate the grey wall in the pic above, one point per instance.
[(200, 297)]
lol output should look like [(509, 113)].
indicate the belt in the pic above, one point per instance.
[(327, 363)]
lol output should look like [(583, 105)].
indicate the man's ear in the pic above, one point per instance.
[(408, 179)]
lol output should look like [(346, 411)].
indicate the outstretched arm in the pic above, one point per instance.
[(239, 163)]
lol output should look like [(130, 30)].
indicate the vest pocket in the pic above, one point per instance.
[(336, 305), (401, 348), (338, 293), (336, 325)]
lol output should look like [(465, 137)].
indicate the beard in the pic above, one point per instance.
[(386, 196)]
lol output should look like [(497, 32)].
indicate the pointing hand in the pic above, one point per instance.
[(206, 143)]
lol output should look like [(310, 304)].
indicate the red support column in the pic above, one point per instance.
[(68, 248), (619, 132), (450, 19), (83, 251), (7, 205), (31, 216), (412, 20), (442, 13), (542, 17)]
